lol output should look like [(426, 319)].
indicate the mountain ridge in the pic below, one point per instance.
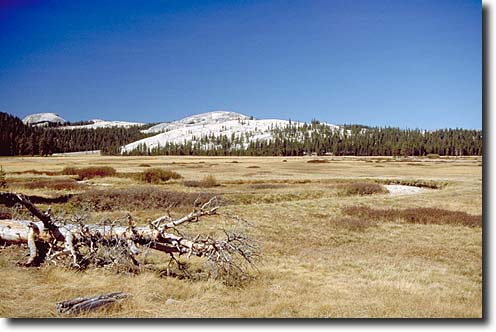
[(215, 123), (37, 119)]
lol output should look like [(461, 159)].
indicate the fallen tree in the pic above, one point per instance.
[(89, 244), (85, 304)]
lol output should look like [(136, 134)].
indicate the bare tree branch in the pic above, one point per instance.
[(111, 244)]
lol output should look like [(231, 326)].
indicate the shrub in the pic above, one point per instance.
[(253, 167), (144, 165), (416, 215), (433, 156), (414, 182), (352, 223), (317, 161), (3, 180), (5, 213), (207, 182), (267, 186), (210, 181), (158, 175), (361, 188), (33, 171), (90, 172), (136, 198), (53, 184)]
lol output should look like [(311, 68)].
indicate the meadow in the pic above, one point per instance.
[(335, 243)]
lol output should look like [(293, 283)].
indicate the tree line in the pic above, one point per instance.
[(320, 139), (19, 139), (293, 140)]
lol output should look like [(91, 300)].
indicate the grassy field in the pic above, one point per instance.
[(328, 251)]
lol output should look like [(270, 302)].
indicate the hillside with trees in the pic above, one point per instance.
[(19, 139), (320, 139), (292, 140)]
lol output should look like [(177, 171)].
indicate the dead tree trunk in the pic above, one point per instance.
[(48, 240), (82, 304)]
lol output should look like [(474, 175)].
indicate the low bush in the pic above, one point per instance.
[(253, 167), (416, 215), (158, 175), (267, 186), (207, 182), (136, 198), (360, 188), (5, 213), (431, 184), (3, 180), (352, 223), (52, 184), (90, 172), (33, 171), (317, 161), (433, 156), (144, 165)]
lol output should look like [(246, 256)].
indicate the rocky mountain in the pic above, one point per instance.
[(207, 119), (97, 123), (42, 119), (192, 128)]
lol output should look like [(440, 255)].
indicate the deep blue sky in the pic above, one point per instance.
[(406, 63)]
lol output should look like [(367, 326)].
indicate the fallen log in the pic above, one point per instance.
[(49, 240), (82, 304)]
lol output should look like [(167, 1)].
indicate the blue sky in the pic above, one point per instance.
[(405, 63)]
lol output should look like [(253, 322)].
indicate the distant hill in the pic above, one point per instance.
[(97, 123), (43, 137), (213, 124), (43, 119), (222, 133)]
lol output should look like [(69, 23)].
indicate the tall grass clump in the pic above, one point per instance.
[(423, 216), (158, 175), (136, 198), (36, 172), (5, 213), (3, 180), (431, 184), (317, 161), (52, 184), (361, 189), (207, 182), (90, 172)]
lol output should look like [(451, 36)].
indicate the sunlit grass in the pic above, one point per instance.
[(318, 261)]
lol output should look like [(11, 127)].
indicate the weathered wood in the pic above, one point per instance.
[(33, 234), (45, 218), (66, 240), (82, 304)]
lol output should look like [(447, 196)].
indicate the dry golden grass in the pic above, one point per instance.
[(89, 172), (416, 215), (158, 175), (361, 188), (208, 181), (135, 198), (48, 184), (336, 265)]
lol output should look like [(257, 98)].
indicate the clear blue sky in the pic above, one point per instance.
[(406, 63)]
